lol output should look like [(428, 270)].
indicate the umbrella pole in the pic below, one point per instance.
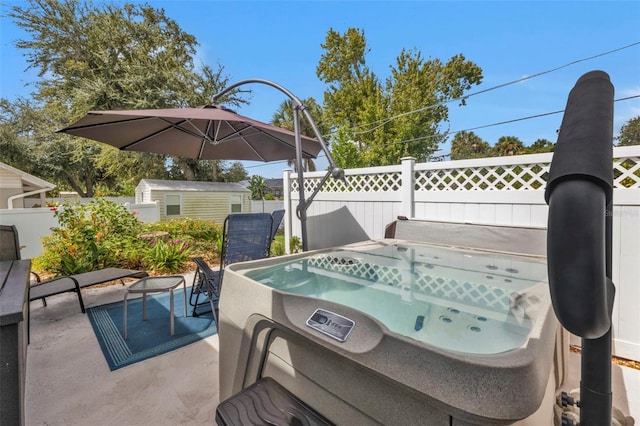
[(301, 210)]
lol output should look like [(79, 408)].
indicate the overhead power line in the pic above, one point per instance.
[(382, 122), (529, 117), (484, 126)]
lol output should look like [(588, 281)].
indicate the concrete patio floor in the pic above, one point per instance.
[(69, 382)]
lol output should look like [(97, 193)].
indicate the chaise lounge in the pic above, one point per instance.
[(41, 290)]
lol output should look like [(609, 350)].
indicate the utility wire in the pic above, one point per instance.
[(386, 120), (484, 126), (529, 77), (496, 124)]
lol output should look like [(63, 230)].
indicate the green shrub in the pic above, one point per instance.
[(90, 236), (166, 256), (104, 234), (203, 235), (295, 244), (277, 246)]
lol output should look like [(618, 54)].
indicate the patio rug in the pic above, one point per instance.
[(146, 339)]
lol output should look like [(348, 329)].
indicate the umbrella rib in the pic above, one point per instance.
[(177, 126), (203, 142), (96, 125), (238, 134)]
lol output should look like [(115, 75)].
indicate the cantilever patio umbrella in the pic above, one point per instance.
[(204, 133)]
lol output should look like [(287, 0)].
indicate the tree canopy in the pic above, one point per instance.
[(284, 117), (400, 116), (110, 56), (630, 133), (469, 145)]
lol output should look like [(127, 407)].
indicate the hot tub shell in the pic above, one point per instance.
[(377, 376)]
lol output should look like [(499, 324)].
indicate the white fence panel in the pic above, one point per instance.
[(32, 225), (146, 212), (493, 191), (266, 206), (35, 223), (32, 202)]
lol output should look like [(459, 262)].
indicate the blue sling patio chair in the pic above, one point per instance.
[(245, 236), (277, 216)]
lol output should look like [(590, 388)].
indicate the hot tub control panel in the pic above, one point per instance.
[(333, 325)]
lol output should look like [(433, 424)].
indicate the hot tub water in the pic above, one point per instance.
[(456, 299)]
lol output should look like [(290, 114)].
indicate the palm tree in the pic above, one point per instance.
[(468, 145), (508, 145), (258, 187)]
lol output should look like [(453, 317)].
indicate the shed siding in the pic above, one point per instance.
[(10, 185), (10, 180), (143, 193), (200, 204)]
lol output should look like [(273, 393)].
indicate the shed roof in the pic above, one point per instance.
[(29, 182), (184, 185)]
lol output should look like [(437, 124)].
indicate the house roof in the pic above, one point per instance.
[(274, 183), (184, 185), (29, 182), (271, 183)]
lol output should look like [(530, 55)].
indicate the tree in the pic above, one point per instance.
[(106, 57), (235, 173), (16, 125), (424, 86), (540, 146), (469, 145), (508, 145), (258, 188), (630, 133), (401, 117), (346, 151)]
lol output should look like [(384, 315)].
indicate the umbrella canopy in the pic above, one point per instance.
[(204, 133)]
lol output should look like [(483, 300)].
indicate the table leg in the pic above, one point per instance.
[(171, 308), (124, 319), (184, 289)]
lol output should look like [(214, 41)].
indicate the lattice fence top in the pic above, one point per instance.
[(366, 182), (483, 177), (480, 295), (521, 176)]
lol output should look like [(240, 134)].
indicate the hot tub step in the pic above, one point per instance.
[(267, 402)]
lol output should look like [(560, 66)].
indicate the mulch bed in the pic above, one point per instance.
[(616, 360)]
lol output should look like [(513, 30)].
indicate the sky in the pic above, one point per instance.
[(281, 41)]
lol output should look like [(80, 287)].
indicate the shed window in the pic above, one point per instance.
[(172, 205), (236, 203)]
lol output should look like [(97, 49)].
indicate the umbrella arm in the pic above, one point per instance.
[(335, 171), (304, 204)]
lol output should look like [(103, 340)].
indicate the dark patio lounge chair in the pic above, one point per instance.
[(41, 290), (10, 245), (276, 216), (245, 236)]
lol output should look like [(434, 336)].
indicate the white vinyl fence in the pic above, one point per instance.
[(494, 191), (35, 223), (266, 206)]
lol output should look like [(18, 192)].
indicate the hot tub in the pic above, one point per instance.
[(395, 332)]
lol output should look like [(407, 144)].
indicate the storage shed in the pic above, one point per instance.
[(197, 200), (15, 185)]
